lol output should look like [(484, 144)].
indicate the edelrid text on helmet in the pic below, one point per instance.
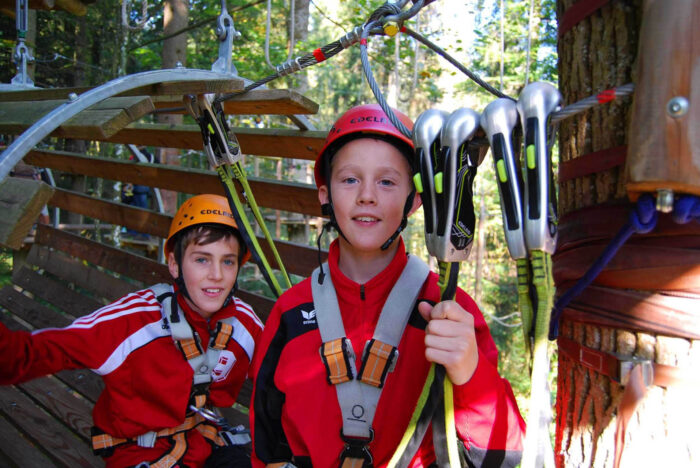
[(203, 209), (365, 120)]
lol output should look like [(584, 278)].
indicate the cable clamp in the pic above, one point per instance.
[(351, 37)]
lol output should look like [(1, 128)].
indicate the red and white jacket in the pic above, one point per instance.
[(147, 379), (295, 412)]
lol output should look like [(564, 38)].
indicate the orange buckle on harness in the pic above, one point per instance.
[(191, 347), (377, 361), (337, 356), (221, 335)]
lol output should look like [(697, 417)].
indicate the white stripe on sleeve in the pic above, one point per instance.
[(242, 336), (145, 335)]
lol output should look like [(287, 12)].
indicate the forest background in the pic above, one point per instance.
[(507, 42)]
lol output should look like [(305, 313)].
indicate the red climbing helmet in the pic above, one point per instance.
[(368, 120)]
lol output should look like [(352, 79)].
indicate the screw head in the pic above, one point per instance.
[(72, 96), (677, 106)]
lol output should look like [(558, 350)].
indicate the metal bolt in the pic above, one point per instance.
[(664, 200), (72, 97), (677, 106), (179, 65)]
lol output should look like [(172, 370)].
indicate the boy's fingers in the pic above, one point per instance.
[(447, 328), (424, 308)]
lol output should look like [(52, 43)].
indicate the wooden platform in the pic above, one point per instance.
[(46, 422)]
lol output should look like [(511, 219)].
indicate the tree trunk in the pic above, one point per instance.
[(599, 53), (175, 16), (300, 34)]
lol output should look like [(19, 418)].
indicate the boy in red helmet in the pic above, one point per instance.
[(167, 354), (345, 353)]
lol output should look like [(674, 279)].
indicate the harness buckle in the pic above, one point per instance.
[(356, 449), (378, 360), (629, 363)]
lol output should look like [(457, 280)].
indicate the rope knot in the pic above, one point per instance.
[(643, 218)]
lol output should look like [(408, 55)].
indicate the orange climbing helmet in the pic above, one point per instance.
[(204, 209), (366, 120)]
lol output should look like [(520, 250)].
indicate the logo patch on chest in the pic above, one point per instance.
[(224, 366), (309, 317)]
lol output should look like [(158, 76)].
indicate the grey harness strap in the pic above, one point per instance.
[(181, 331), (357, 399)]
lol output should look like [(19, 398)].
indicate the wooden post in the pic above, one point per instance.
[(21, 201), (664, 136)]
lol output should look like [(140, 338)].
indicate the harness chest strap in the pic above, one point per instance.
[(358, 395)]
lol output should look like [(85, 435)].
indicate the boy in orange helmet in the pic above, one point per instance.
[(167, 354), (345, 353)]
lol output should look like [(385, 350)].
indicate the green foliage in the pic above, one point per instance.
[(94, 49), (5, 267)]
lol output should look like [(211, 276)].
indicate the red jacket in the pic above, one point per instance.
[(147, 379), (295, 411)]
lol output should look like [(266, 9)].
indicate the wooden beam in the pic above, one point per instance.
[(54, 292), (180, 88), (137, 219), (285, 196), (97, 122), (104, 256), (255, 102), (21, 201), (75, 271), (277, 142)]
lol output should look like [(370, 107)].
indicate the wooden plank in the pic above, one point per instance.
[(74, 271), (54, 292), (138, 219), (298, 144), (101, 120), (257, 101), (119, 261), (18, 449), (21, 201), (285, 196), (228, 85), (261, 305), (35, 314), (45, 430), (298, 259), (57, 399)]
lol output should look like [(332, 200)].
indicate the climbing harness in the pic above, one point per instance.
[(203, 362), (358, 391), (224, 154)]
